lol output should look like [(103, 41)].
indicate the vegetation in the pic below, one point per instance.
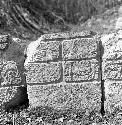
[(44, 16)]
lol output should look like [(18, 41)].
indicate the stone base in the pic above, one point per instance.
[(80, 96)]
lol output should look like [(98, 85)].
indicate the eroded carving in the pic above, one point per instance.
[(10, 74)]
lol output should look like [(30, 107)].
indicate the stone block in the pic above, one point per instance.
[(112, 73), (63, 72), (7, 93), (76, 96), (80, 48), (112, 70), (113, 95), (44, 73)]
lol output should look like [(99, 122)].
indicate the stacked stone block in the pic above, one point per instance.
[(112, 73), (64, 72), (11, 70)]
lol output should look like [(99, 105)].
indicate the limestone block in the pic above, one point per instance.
[(63, 72), (76, 96), (44, 73), (112, 70)]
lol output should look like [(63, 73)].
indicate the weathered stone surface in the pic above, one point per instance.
[(62, 71), (113, 95), (11, 73), (113, 52), (80, 48), (44, 73), (83, 96), (112, 72), (81, 71), (77, 48), (48, 51)]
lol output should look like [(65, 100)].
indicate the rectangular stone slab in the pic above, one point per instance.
[(112, 70), (80, 48), (44, 73), (113, 96), (81, 96)]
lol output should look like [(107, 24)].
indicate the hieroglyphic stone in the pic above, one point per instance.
[(80, 48), (44, 72), (74, 70), (10, 75), (112, 73), (113, 95), (48, 51), (113, 52), (112, 70), (80, 71)]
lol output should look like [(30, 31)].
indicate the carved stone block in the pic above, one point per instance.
[(44, 73), (81, 71), (80, 48)]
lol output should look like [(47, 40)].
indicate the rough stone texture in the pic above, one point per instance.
[(64, 73), (83, 96), (11, 71), (113, 94), (112, 73)]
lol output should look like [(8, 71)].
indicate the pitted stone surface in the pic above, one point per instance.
[(61, 65), (112, 72)]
